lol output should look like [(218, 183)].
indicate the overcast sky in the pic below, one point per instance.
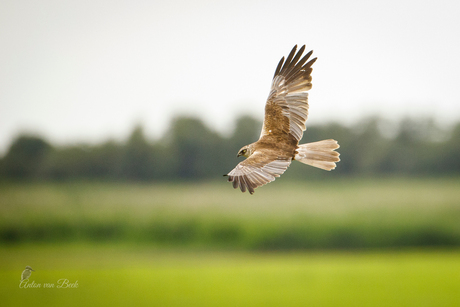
[(76, 71)]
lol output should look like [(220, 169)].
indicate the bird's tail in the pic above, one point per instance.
[(319, 154)]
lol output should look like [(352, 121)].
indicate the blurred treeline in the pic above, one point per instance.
[(192, 150)]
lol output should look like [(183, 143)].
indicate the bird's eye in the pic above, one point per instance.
[(244, 151)]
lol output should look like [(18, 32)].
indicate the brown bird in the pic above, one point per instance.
[(286, 111)]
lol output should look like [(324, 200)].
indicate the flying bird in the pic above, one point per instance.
[(286, 111)]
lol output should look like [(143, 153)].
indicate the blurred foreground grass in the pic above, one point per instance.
[(209, 245), (130, 275), (346, 213)]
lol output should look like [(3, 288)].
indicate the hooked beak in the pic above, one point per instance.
[(238, 155)]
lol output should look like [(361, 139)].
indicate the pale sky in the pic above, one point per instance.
[(76, 71)]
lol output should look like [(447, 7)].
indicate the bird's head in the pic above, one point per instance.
[(29, 268), (245, 151)]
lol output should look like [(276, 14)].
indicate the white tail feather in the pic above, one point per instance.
[(319, 154)]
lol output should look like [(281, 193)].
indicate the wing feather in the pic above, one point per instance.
[(288, 60), (278, 68), (257, 170), (286, 110)]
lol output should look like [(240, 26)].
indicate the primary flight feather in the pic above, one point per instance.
[(286, 111)]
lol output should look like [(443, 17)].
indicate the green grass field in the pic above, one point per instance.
[(379, 242), (345, 213), (124, 275)]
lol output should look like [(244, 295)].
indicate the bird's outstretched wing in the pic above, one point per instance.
[(286, 109), (260, 168)]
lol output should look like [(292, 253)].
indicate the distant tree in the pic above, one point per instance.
[(191, 150), (369, 147), (195, 148), (25, 157), (137, 158), (408, 151), (446, 156)]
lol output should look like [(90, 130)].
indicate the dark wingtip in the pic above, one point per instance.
[(301, 50), (278, 68), (311, 62)]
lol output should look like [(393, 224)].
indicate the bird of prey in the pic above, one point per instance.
[(286, 111), (26, 273)]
